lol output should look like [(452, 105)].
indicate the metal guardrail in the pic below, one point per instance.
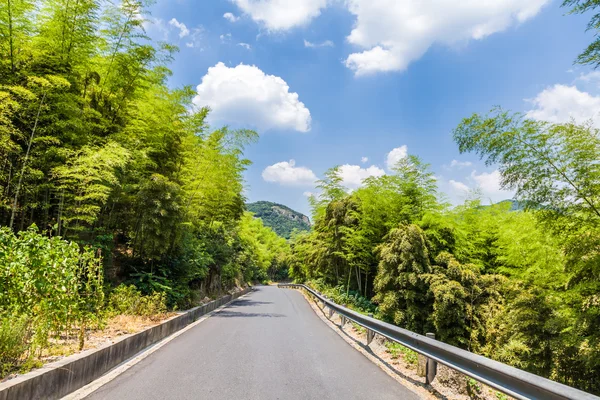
[(506, 379)]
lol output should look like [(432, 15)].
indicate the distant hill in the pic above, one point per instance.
[(283, 220), (516, 205)]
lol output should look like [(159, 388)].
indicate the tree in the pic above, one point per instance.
[(591, 55), (399, 285), (15, 32), (552, 166)]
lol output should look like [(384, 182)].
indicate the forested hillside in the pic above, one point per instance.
[(283, 220), (96, 150)]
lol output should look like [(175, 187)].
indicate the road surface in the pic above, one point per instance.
[(266, 345)]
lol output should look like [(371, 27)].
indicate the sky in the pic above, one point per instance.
[(361, 83)]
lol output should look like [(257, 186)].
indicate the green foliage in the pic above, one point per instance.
[(128, 300), (97, 149), (280, 218), (516, 281), (401, 290), (49, 286), (554, 168), (591, 55), (396, 350), (14, 341), (264, 252)]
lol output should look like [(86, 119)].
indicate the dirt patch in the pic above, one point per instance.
[(402, 364)]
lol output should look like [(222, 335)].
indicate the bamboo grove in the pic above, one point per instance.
[(97, 150), (517, 281)]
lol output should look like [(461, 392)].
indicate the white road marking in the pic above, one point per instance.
[(113, 373)]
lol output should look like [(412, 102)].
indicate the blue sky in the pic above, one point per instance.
[(332, 82)]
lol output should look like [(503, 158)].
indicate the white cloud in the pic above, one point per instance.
[(309, 194), (458, 186), (395, 155), (286, 173), (244, 45), (593, 76), (230, 17), (156, 27), (326, 43), (395, 33), (489, 183), (246, 95), (561, 103), (278, 15), (195, 38), (183, 30), (364, 159), (460, 164), (225, 37), (353, 175)]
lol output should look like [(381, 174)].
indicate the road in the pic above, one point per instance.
[(266, 345)]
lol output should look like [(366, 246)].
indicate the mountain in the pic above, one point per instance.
[(283, 220), (516, 205)]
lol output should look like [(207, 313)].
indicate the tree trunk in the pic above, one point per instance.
[(10, 38), (14, 205)]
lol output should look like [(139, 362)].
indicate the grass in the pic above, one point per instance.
[(358, 328), (396, 350)]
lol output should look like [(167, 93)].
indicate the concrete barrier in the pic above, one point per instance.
[(60, 378)]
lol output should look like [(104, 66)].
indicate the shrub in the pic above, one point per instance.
[(50, 282), (128, 300), (14, 342)]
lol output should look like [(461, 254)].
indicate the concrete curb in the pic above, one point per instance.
[(58, 379)]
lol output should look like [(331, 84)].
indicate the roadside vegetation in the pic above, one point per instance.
[(118, 199), (516, 282), (116, 196)]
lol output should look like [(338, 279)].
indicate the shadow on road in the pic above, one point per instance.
[(249, 302), (237, 314)]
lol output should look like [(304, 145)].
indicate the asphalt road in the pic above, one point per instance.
[(267, 345)]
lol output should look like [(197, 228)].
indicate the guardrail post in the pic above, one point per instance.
[(342, 318), (431, 366), (370, 334)]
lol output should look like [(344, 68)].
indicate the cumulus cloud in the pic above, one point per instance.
[(392, 34), (396, 155), (245, 95), (364, 159), (485, 184), (458, 186), (561, 103), (395, 33), (183, 30), (489, 183), (230, 17), (286, 173), (278, 15), (460, 164), (354, 175), (326, 43)]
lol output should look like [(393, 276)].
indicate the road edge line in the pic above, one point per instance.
[(419, 391), (91, 387)]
